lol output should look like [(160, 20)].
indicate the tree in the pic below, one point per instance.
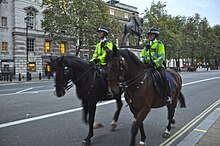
[(78, 20), (185, 37)]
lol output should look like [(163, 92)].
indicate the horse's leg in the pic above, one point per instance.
[(92, 109), (117, 112), (85, 111), (143, 136), (171, 111), (141, 115)]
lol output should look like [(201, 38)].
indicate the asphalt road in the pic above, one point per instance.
[(30, 115)]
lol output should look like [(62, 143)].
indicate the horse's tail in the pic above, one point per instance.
[(181, 99)]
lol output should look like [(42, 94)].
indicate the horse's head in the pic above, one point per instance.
[(62, 75), (115, 69)]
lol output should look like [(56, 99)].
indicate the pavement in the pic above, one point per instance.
[(24, 80), (207, 133)]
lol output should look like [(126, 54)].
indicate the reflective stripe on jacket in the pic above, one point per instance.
[(100, 52), (157, 52)]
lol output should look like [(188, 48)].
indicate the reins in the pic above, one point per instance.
[(134, 79), (84, 74)]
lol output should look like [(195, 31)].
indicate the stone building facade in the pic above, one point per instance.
[(24, 45)]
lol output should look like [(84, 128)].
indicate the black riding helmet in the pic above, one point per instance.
[(103, 29), (153, 30)]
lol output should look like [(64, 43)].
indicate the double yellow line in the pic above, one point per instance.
[(179, 133)]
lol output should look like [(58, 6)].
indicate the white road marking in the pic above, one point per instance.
[(12, 89), (77, 109), (48, 115), (184, 129), (199, 81), (24, 90)]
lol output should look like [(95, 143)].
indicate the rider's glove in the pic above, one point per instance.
[(150, 65), (96, 60)]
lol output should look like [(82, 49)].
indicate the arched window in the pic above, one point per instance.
[(31, 16)]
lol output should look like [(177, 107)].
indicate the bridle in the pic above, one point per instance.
[(67, 74), (121, 69), (121, 78), (69, 83)]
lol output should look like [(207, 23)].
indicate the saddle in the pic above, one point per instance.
[(158, 83)]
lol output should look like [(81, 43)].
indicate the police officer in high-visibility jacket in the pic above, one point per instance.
[(153, 55), (100, 50)]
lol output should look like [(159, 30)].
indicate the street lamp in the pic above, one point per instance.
[(26, 19)]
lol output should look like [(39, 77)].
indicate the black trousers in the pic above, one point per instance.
[(165, 85)]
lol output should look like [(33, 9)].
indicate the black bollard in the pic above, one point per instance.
[(39, 76), (29, 76), (7, 77), (10, 78), (19, 77)]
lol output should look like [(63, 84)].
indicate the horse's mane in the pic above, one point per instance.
[(129, 55), (71, 61), (76, 60)]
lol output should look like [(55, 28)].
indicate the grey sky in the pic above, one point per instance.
[(206, 8)]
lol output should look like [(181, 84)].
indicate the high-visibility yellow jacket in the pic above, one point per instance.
[(100, 52), (157, 52)]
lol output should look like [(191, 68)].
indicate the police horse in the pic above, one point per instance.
[(91, 87)]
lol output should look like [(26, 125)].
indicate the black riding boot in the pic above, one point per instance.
[(167, 93)]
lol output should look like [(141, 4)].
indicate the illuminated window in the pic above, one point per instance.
[(112, 12), (32, 66), (4, 21), (30, 44), (47, 66), (62, 48), (47, 47), (4, 47)]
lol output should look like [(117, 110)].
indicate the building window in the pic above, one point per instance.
[(62, 48), (32, 66), (4, 47), (112, 12), (30, 20), (30, 44), (126, 15), (47, 47), (4, 21)]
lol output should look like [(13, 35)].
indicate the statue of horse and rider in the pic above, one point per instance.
[(134, 26)]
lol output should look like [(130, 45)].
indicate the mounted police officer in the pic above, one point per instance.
[(153, 55), (100, 50)]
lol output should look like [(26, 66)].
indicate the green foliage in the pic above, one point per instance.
[(78, 20), (184, 37)]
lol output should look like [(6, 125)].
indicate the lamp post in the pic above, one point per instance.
[(26, 21)]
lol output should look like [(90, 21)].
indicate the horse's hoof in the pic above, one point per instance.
[(166, 134), (97, 125), (173, 121), (86, 143), (113, 125), (141, 143)]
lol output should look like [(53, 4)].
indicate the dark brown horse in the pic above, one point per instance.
[(142, 91), (91, 87)]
